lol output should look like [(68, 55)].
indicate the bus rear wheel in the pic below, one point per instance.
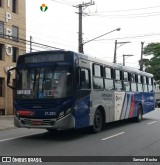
[(97, 123), (139, 117)]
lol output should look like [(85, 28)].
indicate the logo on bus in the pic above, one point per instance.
[(118, 98)]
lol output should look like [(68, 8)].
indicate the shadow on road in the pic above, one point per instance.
[(72, 134)]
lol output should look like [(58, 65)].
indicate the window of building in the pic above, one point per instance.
[(109, 84), (14, 6), (15, 54), (2, 56), (15, 31), (1, 3), (1, 87), (1, 29)]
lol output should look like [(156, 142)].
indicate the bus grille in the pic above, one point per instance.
[(38, 122)]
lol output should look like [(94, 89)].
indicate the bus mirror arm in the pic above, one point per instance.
[(9, 78)]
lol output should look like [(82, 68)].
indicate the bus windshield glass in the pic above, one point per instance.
[(44, 83)]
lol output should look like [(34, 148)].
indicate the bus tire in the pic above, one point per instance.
[(97, 123), (139, 116)]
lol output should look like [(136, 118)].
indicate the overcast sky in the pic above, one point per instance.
[(58, 26)]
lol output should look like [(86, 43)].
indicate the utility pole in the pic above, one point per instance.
[(30, 43), (80, 40), (126, 55), (115, 52), (115, 49), (141, 61)]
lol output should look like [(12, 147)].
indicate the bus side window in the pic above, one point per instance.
[(145, 86), (83, 78), (150, 84), (139, 85), (133, 83), (118, 80), (126, 82), (98, 77), (108, 78)]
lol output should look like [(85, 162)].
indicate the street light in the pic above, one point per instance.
[(115, 49), (118, 29), (126, 55)]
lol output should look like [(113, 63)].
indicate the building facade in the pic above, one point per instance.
[(12, 44)]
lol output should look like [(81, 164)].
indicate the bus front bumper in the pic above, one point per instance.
[(66, 122)]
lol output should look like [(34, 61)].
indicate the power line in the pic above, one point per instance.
[(129, 15), (69, 3), (139, 36), (24, 40), (113, 11)]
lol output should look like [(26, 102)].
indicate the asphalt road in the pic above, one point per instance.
[(124, 138)]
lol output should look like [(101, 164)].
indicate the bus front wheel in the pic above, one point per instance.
[(97, 123)]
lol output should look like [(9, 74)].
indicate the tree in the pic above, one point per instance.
[(153, 64)]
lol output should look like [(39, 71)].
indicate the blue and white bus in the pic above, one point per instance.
[(64, 89)]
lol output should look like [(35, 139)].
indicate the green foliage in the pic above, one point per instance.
[(153, 64), (41, 8), (45, 8)]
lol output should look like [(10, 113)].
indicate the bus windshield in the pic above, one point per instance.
[(44, 83)]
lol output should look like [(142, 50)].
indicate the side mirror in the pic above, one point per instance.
[(9, 78)]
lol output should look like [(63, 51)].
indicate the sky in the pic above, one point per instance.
[(58, 26)]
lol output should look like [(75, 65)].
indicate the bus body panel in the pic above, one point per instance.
[(82, 112)]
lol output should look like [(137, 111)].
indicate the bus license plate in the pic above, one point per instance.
[(36, 122)]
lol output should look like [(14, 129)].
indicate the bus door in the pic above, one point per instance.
[(83, 89)]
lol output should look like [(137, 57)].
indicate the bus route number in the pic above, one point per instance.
[(50, 113)]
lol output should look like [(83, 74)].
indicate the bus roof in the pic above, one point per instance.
[(98, 61), (114, 65)]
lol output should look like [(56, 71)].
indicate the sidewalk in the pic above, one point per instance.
[(6, 122)]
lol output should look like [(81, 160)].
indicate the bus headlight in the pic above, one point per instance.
[(68, 111), (61, 115), (64, 113)]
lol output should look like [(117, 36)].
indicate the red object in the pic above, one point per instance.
[(37, 122), (24, 113)]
